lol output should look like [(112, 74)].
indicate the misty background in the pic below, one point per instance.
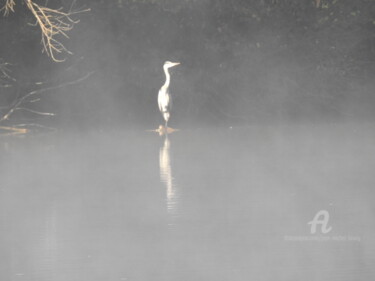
[(274, 101), (242, 62)]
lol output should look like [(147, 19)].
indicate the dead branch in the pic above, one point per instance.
[(8, 7), (20, 101), (36, 112), (53, 23), (11, 131)]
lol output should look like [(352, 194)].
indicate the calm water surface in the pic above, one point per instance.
[(201, 205)]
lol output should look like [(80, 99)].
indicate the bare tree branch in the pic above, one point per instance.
[(12, 131), (8, 7), (18, 102), (36, 112), (53, 23)]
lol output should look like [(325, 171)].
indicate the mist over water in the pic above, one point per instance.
[(273, 110), (201, 204)]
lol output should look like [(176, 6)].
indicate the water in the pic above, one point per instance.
[(218, 204)]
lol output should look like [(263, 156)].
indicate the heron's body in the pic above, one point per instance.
[(164, 97), (165, 103)]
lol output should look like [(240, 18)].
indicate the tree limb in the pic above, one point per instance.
[(17, 103), (53, 23), (8, 7)]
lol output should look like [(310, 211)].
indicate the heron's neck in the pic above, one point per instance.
[(167, 78)]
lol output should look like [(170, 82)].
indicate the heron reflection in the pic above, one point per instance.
[(166, 175)]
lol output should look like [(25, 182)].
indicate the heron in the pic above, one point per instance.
[(164, 97)]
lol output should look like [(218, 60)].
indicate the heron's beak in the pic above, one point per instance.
[(175, 63)]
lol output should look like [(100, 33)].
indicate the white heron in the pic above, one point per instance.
[(164, 98)]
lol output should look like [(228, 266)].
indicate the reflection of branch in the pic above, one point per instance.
[(53, 22), (8, 7), (16, 105)]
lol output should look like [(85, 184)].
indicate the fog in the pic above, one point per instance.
[(209, 204), (241, 63), (273, 129)]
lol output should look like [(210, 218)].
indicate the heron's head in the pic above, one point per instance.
[(169, 64)]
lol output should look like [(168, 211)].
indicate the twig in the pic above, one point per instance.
[(36, 125), (13, 130), (52, 23), (36, 112), (17, 103), (8, 7)]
